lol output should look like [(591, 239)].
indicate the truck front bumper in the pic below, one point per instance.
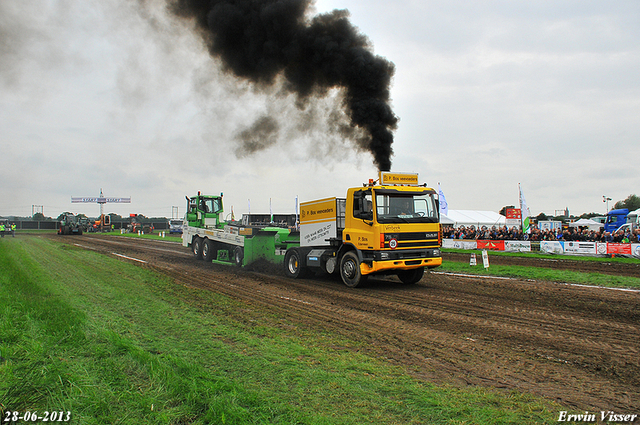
[(388, 261)]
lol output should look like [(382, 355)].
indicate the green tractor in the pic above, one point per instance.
[(234, 242), (69, 224)]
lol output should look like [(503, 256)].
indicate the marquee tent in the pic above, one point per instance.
[(583, 222), (458, 218)]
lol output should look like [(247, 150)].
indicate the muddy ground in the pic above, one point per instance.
[(579, 346)]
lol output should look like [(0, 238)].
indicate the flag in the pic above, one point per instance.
[(524, 213), (444, 207)]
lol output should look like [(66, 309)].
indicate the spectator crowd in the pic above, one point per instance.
[(537, 235)]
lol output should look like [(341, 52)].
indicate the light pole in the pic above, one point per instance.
[(605, 199)]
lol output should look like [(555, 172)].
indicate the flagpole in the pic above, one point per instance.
[(524, 212), (521, 212)]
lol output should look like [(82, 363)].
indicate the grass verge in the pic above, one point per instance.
[(541, 273), (602, 259), (111, 342)]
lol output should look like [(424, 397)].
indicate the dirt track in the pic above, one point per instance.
[(579, 346)]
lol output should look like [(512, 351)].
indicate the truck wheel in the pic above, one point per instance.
[(209, 251), (293, 265), (238, 255), (409, 277), (196, 247), (350, 270)]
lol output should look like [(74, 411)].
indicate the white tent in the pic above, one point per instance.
[(446, 220), (465, 218), (584, 222)]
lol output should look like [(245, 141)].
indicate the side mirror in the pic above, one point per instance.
[(361, 206)]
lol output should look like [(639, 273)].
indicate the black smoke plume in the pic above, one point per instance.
[(260, 40)]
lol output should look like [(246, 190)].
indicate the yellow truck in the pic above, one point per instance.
[(388, 226)]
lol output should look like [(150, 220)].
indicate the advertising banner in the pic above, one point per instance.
[(579, 247), (317, 233), (493, 245), (318, 222), (619, 248), (317, 211), (459, 244), (549, 225), (513, 217), (601, 248), (517, 246), (387, 178), (513, 213), (551, 247)]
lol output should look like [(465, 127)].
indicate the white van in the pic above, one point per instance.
[(634, 218), (628, 227)]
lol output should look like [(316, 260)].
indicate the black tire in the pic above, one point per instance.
[(350, 270), (209, 251), (409, 277), (293, 265), (196, 247), (238, 255)]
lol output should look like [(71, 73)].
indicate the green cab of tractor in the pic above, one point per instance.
[(205, 211)]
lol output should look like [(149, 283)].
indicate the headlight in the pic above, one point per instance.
[(384, 255)]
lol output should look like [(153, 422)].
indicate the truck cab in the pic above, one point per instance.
[(615, 219), (391, 229), (204, 211)]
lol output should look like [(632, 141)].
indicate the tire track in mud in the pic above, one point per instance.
[(578, 346)]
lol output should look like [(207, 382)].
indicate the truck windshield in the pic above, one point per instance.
[(210, 205), (406, 207)]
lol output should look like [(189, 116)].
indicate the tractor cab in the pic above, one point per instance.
[(205, 211)]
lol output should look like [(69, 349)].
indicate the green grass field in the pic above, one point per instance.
[(114, 343), (541, 273), (538, 254)]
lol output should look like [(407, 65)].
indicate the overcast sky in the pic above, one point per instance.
[(120, 96)]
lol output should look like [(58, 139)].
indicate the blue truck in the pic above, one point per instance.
[(615, 219)]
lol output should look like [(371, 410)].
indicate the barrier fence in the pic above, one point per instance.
[(595, 249)]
